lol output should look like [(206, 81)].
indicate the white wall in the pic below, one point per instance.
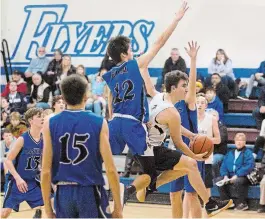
[(234, 25)]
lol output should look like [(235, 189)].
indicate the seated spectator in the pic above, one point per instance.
[(222, 91), (214, 102), (259, 77), (21, 84), (40, 94), (174, 62), (17, 101), (259, 112), (220, 150), (55, 65), (222, 65), (5, 112), (236, 165), (199, 86), (17, 126), (39, 64), (6, 144), (66, 70), (80, 69)]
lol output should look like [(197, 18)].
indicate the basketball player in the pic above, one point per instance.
[(207, 125), (26, 152), (128, 99), (188, 113), (166, 119), (75, 142)]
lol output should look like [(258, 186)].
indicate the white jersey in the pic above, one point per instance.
[(205, 127), (158, 132)]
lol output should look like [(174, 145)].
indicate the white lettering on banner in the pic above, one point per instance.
[(45, 26)]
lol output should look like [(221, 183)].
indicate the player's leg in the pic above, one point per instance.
[(5, 212), (176, 204)]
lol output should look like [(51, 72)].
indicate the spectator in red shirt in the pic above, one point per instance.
[(21, 84)]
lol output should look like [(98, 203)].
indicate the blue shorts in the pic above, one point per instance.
[(127, 131), (184, 183), (75, 201), (13, 197)]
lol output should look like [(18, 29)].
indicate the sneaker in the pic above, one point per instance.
[(241, 207), (232, 206), (38, 213), (242, 98), (261, 209), (214, 207)]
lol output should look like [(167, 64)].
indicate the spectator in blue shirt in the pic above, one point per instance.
[(259, 77), (214, 102), (237, 164)]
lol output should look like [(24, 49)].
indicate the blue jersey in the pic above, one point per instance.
[(188, 118), (29, 158), (75, 139), (127, 88)]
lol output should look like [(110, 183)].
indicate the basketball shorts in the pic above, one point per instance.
[(163, 159), (127, 131), (208, 180), (183, 182), (75, 201), (13, 197)]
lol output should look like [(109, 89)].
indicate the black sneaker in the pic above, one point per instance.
[(214, 207), (261, 209), (242, 207), (38, 213)]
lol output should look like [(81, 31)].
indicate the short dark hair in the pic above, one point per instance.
[(32, 112), (172, 79), (210, 89), (73, 88), (6, 130), (216, 74), (118, 45)]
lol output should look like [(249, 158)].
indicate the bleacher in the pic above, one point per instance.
[(238, 119)]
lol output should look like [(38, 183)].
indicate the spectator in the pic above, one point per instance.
[(47, 113), (214, 102), (16, 126), (199, 86), (66, 70), (21, 84), (50, 76), (6, 144), (80, 69), (222, 91), (17, 101), (40, 95), (259, 77), (259, 112), (222, 65), (236, 165), (5, 112), (39, 64), (220, 150), (174, 62)]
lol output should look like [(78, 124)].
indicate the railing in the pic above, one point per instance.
[(6, 56)]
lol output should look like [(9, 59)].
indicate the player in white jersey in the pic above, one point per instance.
[(207, 125), (165, 119)]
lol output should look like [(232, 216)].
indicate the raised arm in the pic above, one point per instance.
[(150, 88), (146, 58), (46, 170), (191, 95), (111, 171)]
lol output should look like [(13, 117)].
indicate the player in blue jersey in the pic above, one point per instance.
[(128, 104), (188, 113), (76, 142), (26, 154)]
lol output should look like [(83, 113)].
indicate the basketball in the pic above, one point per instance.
[(202, 144)]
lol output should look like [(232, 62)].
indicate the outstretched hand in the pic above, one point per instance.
[(193, 49), (184, 7)]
